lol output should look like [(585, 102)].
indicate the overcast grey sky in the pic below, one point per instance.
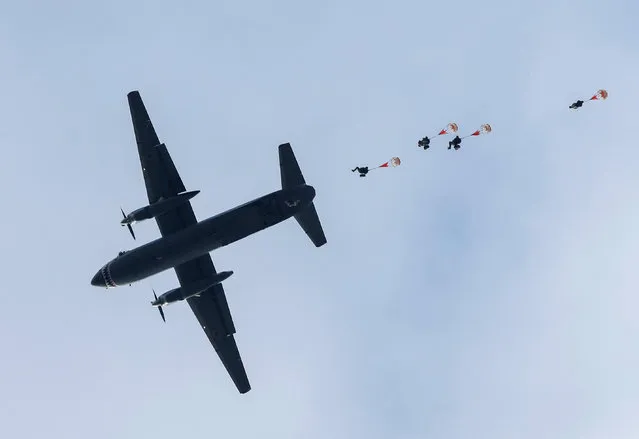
[(488, 293)]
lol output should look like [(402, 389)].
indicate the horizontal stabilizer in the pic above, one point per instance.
[(291, 176), (310, 223)]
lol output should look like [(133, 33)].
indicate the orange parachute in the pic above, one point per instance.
[(484, 129), (600, 95), (450, 128), (393, 162)]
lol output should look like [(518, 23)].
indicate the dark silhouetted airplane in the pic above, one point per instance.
[(185, 243)]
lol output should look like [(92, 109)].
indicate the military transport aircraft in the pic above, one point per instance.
[(185, 243)]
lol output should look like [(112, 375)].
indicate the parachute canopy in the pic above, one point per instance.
[(450, 128), (484, 129), (600, 95), (393, 162)]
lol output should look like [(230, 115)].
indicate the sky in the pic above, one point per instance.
[(489, 292)]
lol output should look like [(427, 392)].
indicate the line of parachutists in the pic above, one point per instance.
[(455, 143)]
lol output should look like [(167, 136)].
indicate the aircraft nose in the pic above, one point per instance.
[(98, 280)]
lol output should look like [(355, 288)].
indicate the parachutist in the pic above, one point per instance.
[(362, 170), (425, 143), (576, 105), (601, 95), (455, 143)]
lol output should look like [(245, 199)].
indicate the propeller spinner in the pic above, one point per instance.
[(127, 223)]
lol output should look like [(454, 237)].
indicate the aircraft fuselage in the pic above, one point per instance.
[(203, 237)]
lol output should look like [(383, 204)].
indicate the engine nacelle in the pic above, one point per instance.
[(190, 290), (158, 208)]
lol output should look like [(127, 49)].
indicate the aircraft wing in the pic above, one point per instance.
[(163, 180), (214, 315)]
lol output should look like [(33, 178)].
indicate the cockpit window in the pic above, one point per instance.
[(121, 253)]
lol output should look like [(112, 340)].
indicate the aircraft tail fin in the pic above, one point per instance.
[(291, 176)]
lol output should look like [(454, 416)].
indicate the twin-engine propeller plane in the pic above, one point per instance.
[(185, 243)]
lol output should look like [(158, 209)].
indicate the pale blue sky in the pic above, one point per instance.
[(485, 293)]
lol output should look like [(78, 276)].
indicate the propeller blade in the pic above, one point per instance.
[(127, 224), (131, 230), (162, 314), (159, 307)]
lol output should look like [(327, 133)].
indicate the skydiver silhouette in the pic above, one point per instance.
[(455, 143), (576, 105), (425, 143), (362, 170)]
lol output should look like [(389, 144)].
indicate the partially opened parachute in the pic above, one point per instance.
[(450, 128), (601, 95), (393, 162), (484, 129)]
